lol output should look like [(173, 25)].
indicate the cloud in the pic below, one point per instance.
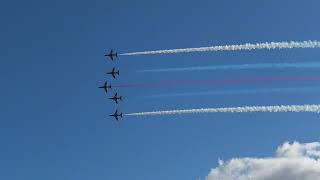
[(294, 161)]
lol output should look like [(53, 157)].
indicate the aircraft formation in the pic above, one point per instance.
[(233, 47), (107, 87)]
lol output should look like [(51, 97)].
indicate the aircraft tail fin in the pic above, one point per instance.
[(120, 114), (118, 72)]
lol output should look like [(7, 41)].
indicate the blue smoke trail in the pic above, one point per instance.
[(238, 67), (243, 91)]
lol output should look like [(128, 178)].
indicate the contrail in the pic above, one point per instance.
[(214, 81), (246, 109), (239, 47), (242, 91), (238, 67)]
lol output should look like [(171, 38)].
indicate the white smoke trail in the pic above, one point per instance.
[(245, 109), (247, 46)]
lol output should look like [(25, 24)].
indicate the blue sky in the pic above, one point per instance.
[(53, 120)]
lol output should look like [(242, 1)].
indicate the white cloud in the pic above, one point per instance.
[(294, 161)]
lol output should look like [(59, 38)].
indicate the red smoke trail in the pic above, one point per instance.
[(214, 81)]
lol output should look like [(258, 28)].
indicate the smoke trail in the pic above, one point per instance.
[(206, 82), (245, 109), (247, 46), (243, 91), (238, 67)]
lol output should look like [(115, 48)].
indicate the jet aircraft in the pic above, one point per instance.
[(111, 55), (116, 115), (105, 87), (114, 73), (116, 98)]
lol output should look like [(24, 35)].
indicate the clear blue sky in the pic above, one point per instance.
[(53, 119)]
